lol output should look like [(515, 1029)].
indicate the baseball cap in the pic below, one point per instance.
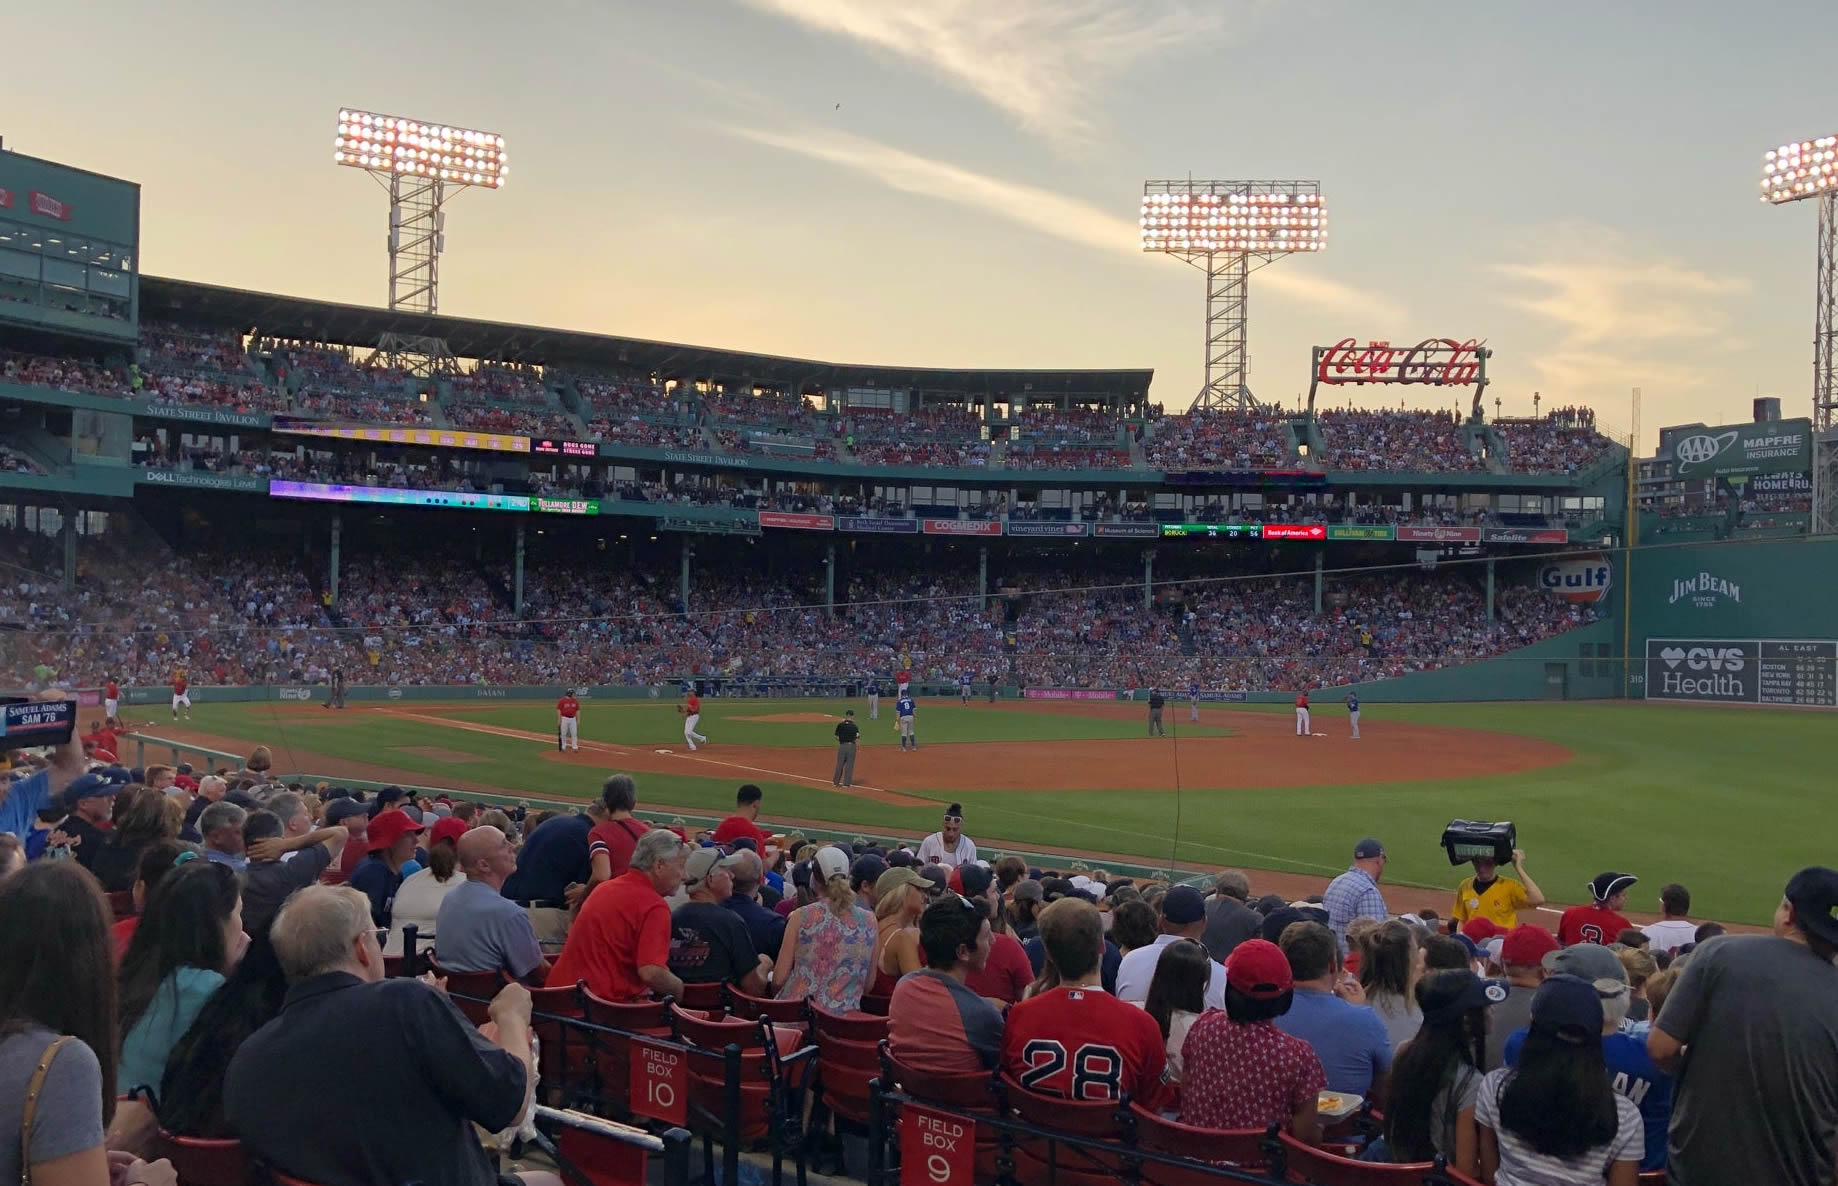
[(1607, 885), (387, 827), (1813, 894), (1027, 890), (447, 829), (897, 878), (1569, 1009), (868, 869), (1278, 920), (1258, 969), (801, 875), (1481, 929), (1454, 992), (343, 809), (89, 786), (1526, 946), (703, 862), (831, 862), (936, 875), (973, 880), (1183, 906), (1587, 961), (1368, 848), (901, 858)]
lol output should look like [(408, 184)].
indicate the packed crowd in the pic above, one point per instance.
[(183, 349), (206, 952), (648, 434), (62, 374), (1562, 441), (522, 422), (499, 383), (1220, 440), (1431, 442), (325, 404)]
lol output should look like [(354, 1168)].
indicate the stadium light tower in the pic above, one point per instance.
[(421, 165), (1793, 173), (1229, 229)]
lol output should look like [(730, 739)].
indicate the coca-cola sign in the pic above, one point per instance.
[(1441, 362), (6, 198)]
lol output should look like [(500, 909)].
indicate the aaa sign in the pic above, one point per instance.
[(935, 1149)]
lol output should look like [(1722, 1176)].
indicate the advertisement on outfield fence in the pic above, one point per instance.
[(1440, 535), (890, 526), (1031, 527), (797, 522), (1068, 694), (962, 526), (1523, 535), (1584, 580), (1361, 531), (1778, 484), (1295, 531), (1801, 672), (1128, 530), (1729, 450)]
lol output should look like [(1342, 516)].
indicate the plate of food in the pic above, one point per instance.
[(1337, 1105)]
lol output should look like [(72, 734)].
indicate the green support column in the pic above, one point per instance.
[(1148, 578), (70, 552), (683, 575), (829, 580), (338, 531), (982, 575), (517, 577), (1490, 588), (1319, 564)]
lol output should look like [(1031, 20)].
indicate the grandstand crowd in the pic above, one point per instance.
[(201, 955)]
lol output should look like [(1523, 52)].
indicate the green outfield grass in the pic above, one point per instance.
[(1729, 801)]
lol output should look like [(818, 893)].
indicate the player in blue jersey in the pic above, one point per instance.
[(1353, 713), (903, 708), (1193, 702)]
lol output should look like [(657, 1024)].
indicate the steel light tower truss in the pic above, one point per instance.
[(1229, 229), (1795, 173), (421, 165)]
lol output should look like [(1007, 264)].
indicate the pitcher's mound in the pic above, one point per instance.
[(792, 718)]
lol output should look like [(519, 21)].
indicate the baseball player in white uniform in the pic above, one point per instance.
[(1301, 714), (692, 712)]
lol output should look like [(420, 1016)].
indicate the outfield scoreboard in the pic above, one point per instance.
[(1796, 672), (69, 250)]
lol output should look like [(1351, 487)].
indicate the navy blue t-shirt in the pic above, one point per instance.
[(1107, 967), (552, 858)]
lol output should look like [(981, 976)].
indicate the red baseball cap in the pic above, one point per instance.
[(1526, 945), (1259, 969), (389, 827), (1482, 929), (447, 829)]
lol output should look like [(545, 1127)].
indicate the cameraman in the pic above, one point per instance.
[(21, 799), (1498, 899)]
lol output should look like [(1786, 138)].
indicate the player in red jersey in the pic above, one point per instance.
[(903, 679), (691, 708), (1077, 1041), (1301, 714), (567, 723), (1600, 922), (111, 698), (180, 695)]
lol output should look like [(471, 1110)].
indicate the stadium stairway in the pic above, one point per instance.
[(45, 450)]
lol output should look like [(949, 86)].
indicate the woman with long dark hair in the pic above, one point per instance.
[(155, 862), (1177, 995), (1390, 963), (1554, 1119), (1429, 1105), (142, 819), (189, 938), (57, 1011), (191, 1090)]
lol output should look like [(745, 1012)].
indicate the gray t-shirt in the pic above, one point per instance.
[(1506, 1018), (480, 930), (1757, 1094), (69, 1116)]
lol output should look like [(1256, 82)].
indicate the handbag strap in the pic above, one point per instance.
[(33, 1088)]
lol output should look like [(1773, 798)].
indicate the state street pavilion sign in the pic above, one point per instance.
[(1433, 362)]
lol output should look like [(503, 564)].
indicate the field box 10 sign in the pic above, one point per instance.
[(935, 1149), (660, 1083)]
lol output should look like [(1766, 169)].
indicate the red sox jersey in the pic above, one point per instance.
[(111, 692), (693, 705), (568, 706), (1590, 924), (179, 685), (1302, 700), (1084, 1044)]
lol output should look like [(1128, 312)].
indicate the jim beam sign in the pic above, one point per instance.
[(1704, 590)]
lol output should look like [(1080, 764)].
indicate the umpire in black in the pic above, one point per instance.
[(1156, 704), (846, 733)]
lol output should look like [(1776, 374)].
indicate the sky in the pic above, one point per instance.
[(955, 183)]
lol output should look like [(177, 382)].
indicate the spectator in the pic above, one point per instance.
[(553, 869), (221, 825), (863, 875), (948, 846), (901, 896), (610, 842), (828, 943), (1706, 931), (1674, 928), (141, 820), (1600, 921), (419, 898), (283, 861), (429, 1075), (1229, 920), (1389, 966), (1183, 917), (1429, 1107), (155, 863), (741, 823), (1355, 893), (12, 854), (189, 939), (22, 799), (620, 945), (1492, 897), (935, 1023), (1006, 974), (1330, 1014), (1443, 953), (352, 816), (710, 944), (57, 1007), (90, 801), (191, 1091), (1239, 1071), (1133, 922), (765, 927), (1554, 1118), (476, 928), (1750, 1028), (1177, 996), (1025, 904), (393, 836), (1522, 956)]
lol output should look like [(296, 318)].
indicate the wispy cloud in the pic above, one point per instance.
[(1042, 62), (1039, 209)]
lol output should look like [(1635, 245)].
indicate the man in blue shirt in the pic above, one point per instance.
[(904, 707), (1353, 713), (1355, 893), (24, 798), (1330, 1014)]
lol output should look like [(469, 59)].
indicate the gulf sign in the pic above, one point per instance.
[(1584, 580)]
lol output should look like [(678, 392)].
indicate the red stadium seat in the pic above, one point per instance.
[(1038, 1160), (280, 1179), (610, 1055), (792, 1013), (1242, 1147), (961, 1093), (202, 1162), (704, 996), (875, 1004), (1317, 1167), (563, 1059), (471, 992), (850, 1027), (770, 1091)]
